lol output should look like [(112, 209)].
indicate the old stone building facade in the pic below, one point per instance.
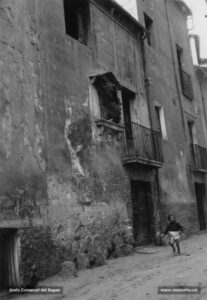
[(103, 131), (175, 90)]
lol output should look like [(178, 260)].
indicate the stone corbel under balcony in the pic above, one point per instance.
[(109, 124)]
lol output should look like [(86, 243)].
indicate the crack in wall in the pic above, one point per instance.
[(76, 165)]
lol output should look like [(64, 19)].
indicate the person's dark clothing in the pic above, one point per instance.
[(173, 226)]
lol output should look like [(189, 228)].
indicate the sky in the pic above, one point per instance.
[(130, 6), (199, 10)]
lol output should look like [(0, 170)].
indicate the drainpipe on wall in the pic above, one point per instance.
[(176, 79), (203, 104), (157, 225)]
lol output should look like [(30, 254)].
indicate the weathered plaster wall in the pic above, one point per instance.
[(191, 107), (120, 52), (23, 185), (177, 195), (88, 189), (200, 87), (47, 127), (201, 122), (22, 147)]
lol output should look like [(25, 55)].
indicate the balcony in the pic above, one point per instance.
[(198, 158), (142, 146), (187, 86)]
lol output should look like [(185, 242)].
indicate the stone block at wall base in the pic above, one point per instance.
[(37, 248), (97, 259), (68, 269), (128, 250), (123, 251), (82, 261)]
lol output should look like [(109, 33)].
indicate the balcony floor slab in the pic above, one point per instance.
[(129, 160)]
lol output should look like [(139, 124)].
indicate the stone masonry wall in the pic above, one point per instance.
[(88, 190)]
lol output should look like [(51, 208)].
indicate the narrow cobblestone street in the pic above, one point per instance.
[(137, 277)]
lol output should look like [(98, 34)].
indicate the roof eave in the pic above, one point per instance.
[(115, 5), (185, 8)]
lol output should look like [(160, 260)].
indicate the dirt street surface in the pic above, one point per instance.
[(137, 277)]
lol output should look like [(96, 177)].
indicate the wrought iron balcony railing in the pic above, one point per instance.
[(187, 86), (198, 157), (142, 145)]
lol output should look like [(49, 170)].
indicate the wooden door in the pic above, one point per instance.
[(142, 212), (200, 196)]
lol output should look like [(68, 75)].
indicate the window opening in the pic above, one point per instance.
[(77, 19)]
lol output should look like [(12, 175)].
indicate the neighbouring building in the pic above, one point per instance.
[(199, 148), (102, 132), (175, 92)]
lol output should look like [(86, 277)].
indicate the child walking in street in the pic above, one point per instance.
[(174, 230)]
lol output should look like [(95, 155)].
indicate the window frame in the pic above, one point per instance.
[(163, 127)]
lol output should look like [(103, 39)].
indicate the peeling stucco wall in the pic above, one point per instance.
[(58, 167), (22, 135), (23, 189), (87, 208)]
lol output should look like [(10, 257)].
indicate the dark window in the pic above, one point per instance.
[(190, 131), (180, 59), (148, 24), (77, 19), (109, 101), (127, 98), (185, 78)]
